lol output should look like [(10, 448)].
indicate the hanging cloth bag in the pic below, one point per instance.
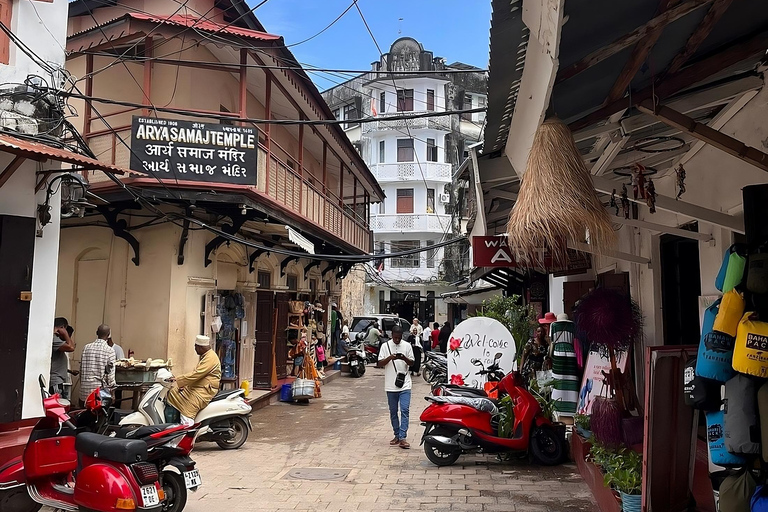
[(750, 354), (715, 356), (731, 310), (759, 502), (734, 274), (741, 428), (698, 392), (736, 492), (716, 441)]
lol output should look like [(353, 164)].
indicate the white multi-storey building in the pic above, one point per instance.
[(414, 161)]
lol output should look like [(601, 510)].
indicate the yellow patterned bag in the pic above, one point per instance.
[(731, 309), (750, 354)]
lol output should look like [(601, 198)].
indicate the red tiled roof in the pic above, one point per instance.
[(183, 20), (38, 151)]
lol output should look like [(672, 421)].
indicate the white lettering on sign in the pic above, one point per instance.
[(501, 255)]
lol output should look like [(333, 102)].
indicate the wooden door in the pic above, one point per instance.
[(615, 281), (281, 347), (17, 245), (262, 358), (572, 292)]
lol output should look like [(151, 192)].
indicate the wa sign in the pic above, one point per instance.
[(491, 251)]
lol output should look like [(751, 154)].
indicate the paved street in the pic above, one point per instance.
[(333, 455)]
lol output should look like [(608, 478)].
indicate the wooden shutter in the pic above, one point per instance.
[(405, 200), (6, 12)]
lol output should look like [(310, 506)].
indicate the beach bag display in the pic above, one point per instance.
[(716, 442), (741, 428), (698, 392), (750, 353), (736, 492), (303, 389), (715, 356), (728, 315)]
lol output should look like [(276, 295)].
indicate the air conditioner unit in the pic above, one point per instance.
[(445, 198)]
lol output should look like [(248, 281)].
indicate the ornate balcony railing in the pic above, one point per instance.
[(410, 222), (412, 171), (383, 124)]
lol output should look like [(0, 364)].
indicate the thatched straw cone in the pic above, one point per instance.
[(557, 202)]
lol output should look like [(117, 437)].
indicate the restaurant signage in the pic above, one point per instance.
[(494, 251), (170, 149)]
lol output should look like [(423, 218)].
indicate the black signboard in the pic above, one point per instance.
[(183, 150)]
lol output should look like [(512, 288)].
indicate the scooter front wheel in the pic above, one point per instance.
[(18, 500), (546, 446), (175, 492), (241, 434)]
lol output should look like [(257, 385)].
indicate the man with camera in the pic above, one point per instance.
[(396, 357)]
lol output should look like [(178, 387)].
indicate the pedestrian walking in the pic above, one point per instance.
[(396, 357), (426, 338)]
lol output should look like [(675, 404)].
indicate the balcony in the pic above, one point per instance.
[(285, 187), (412, 171), (410, 222), (442, 123)]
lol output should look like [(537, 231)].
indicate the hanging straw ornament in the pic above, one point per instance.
[(557, 202)]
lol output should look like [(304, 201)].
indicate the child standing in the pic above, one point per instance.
[(320, 353)]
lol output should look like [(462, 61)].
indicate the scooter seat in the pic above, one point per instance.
[(481, 404), (455, 390), (124, 451), (221, 395), (142, 432)]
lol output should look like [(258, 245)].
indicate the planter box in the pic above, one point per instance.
[(592, 475)]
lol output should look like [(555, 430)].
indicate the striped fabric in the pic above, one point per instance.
[(565, 368)]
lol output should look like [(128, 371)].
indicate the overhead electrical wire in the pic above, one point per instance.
[(140, 199)]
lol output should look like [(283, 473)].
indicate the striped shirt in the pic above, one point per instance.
[(97, 361)]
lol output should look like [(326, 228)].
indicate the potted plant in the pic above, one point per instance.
[(624, 474), (582, 423)]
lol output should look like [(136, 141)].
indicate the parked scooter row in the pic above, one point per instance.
[(71, 467), (356, 357)]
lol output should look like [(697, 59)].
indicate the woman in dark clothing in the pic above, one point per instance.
[(444, 336), (535, 355)]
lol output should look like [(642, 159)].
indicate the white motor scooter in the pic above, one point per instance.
[(225, 420)]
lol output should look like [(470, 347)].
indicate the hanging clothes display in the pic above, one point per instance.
[(565, 366)]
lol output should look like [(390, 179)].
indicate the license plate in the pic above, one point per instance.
[(149, 496), (192, 479), (353, 363)]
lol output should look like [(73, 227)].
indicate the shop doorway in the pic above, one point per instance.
[(680, 290), (262, 357), (17, 245), (281, 346)]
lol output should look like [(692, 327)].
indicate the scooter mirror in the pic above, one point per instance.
[(498, 355), (41, 380)]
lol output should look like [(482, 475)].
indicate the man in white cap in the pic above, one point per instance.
[(196, 389)]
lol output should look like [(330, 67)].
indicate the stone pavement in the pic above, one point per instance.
[(334, 455)]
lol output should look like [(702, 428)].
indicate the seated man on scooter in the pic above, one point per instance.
[(196, 389)]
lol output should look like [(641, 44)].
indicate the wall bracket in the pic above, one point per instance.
[(118, 227)]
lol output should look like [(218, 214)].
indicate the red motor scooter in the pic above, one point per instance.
[(112, 475), (459, 424)]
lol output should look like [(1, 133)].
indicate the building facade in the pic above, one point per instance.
[(414, 161), (238, 244)]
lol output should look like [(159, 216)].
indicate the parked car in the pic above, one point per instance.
[(361, 324)]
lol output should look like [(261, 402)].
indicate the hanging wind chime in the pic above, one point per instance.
[(680, 182)]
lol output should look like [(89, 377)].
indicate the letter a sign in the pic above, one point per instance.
[(491, 251)]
